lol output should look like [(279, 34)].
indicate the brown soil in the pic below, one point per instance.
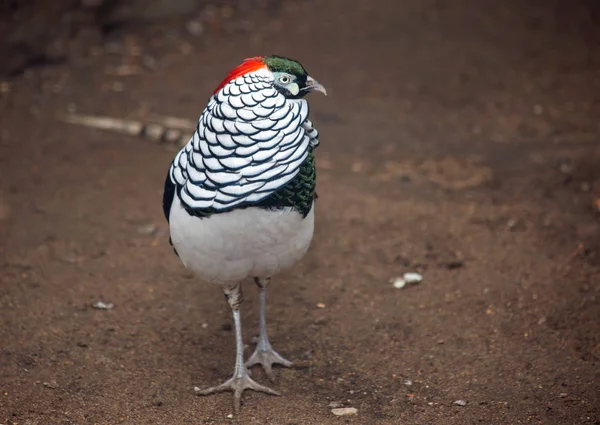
[(458, 140)]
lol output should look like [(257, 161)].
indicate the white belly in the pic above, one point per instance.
[(250, 242)]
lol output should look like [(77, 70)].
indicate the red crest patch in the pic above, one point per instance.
[(249, 65)]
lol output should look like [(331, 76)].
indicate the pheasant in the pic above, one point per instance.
[(239, 196)]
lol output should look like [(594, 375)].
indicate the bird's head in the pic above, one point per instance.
[(289, 76)]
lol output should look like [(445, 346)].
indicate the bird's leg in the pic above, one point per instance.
[(240, 380), (264, 354)]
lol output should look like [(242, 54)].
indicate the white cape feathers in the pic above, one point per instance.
[(249, 142)]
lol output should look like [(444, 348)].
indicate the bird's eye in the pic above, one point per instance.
[(284, 79)]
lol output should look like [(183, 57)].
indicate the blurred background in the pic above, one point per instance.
[(459, 140)]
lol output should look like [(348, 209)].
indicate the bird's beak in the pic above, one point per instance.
[(314, 85)]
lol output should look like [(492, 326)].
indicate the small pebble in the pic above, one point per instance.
[(398, 282), (407, 278), (562, 395), (171, 136), (408, 382), (413, 277), (345, 411), (321, 305), (460, 403), (230, 416), (101, 305), (335, 405), (52, 384)]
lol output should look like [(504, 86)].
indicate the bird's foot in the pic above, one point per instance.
[(267, 358), (237, 384)]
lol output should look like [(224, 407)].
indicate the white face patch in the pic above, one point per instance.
[(294, 89)]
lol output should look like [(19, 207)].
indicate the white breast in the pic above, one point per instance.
[(249, 242)]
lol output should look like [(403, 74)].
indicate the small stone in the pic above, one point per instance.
[(101, 305), (171, 136), (321, 305), (204, 325), (230, 416), (344, 411), (335, 405), (398, 282), (52, 384), (563, 395), (413, 278), (408, 382), (153, 132), (460, 403)]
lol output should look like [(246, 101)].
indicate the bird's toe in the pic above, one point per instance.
[(267, 358)]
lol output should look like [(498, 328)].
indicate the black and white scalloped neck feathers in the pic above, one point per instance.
[(250, 141)]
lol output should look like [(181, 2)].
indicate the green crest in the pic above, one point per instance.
[(281, 64)]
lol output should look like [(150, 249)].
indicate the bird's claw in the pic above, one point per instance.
[(237, 384), (267, 358)]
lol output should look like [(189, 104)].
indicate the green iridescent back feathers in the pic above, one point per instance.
[(299, 193)]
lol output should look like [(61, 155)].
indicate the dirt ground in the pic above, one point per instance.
[(458, 140)]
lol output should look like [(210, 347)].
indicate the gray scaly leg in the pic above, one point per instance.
[(240, 380), (264, 354)]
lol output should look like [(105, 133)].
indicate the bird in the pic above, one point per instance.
[(239, 196)]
